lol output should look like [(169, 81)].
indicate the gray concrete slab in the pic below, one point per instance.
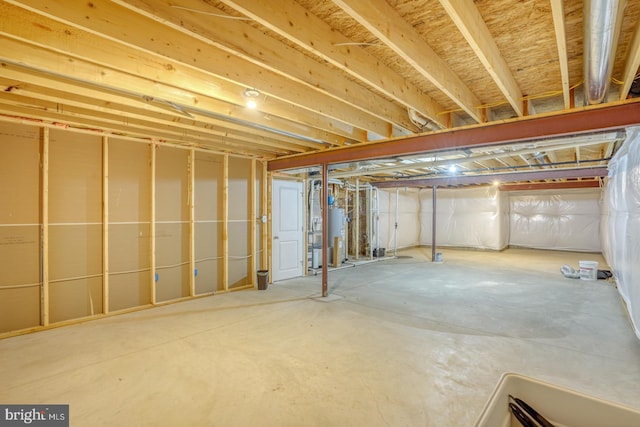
[(402, 342)]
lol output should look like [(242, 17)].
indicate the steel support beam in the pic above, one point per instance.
[(526, 186), (578, 121)]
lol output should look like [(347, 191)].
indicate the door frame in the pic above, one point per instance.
[(303, 220)]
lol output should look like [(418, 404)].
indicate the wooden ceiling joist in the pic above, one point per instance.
[(465, 15), (384, 22), (388, 80), (46, 92), (240, 39), (75, 117), (16, 53), (557, 9), (632, 63), (167, 55), (296, 24)]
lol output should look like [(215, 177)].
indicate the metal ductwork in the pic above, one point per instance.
[(602, 22)]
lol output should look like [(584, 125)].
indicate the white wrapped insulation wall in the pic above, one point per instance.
[(385, 219), (621, 223), (546, 219), (407, 217), (487, 218), (473, 217)]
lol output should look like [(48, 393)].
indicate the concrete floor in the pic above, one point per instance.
[(399, 342)]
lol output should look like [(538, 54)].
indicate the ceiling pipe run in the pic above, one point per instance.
[(602, 22), (504, 177)]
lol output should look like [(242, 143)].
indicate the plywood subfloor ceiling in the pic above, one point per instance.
[(323, 73)]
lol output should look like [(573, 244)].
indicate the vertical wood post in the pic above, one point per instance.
[(191, 191), (44, 247), (152, 225), (253, 218), (105, 224), (265, 231), (225, 223), (325, 228), (572, 98)]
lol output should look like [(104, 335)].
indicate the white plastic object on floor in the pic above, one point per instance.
[(569, 272), (588, 270), (560, 406)]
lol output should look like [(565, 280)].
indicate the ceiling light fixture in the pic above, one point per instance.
[(252, 97)]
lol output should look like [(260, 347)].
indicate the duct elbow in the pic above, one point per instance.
[(421, 121)]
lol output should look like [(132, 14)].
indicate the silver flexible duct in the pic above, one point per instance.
[(602, 20)]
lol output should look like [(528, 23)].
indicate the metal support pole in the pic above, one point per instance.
[(346, 215), (433, 225), (395, 245), (356, 209), (325, 228), (369, 221)]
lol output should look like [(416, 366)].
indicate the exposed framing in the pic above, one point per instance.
[(44, 247), (192, 222), (252, 224), (152, 226), (105, 224), (264, 209), (225, 222), (255, 204)]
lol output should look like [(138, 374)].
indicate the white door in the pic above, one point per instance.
[(287, 229)]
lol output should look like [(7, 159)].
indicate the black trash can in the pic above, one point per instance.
[(263, 277)]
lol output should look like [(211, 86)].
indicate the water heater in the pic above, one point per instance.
[(336, 229)]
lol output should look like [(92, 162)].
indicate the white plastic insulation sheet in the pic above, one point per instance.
[(406, 216), (473, 218), (385, 219), (621, 223), (547, 219)]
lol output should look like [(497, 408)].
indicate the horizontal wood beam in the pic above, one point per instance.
[(465, 14), (241, 39), (293, 22), (579, 121), (158, 52), (386, 24)]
